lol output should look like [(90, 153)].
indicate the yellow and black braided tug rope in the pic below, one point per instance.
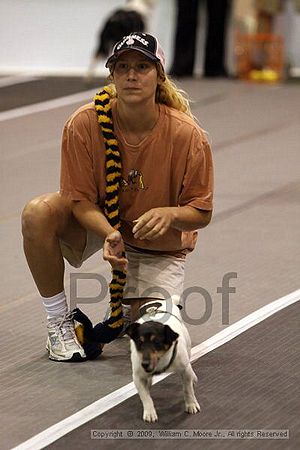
[(104, 332)]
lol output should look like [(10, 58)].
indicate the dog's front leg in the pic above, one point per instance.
[(188, 379), (143, 387)]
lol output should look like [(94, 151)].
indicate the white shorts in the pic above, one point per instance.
[(149, 275)]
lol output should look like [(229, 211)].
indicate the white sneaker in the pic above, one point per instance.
[(62, 342)]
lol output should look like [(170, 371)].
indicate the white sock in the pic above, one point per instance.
[(55, 306)]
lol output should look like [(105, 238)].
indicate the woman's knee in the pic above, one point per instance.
[(47, 213)]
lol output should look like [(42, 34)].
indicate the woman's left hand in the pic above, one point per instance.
[(113, 250), (154, 223)]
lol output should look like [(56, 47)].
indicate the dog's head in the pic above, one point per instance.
[(152, 341)]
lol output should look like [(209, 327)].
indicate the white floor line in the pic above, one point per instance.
[(16, 79), (47, 105), (106, 403)]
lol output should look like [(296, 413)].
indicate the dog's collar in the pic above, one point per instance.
[(170, 362)]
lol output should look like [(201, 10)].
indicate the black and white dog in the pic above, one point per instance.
[(161, 343), (133, 16)]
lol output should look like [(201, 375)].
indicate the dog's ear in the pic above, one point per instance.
[(170, 335), (132, 330)]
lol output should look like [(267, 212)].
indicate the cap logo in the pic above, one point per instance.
[(130, 40), (141, 42)]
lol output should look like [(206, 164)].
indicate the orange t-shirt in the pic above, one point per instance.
[(172, 166)]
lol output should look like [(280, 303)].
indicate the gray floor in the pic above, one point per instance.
[(250, 383), (255, 233), (41, 89)]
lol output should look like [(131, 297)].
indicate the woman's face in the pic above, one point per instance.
[(135, 77)]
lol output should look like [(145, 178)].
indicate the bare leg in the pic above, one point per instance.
[(44, 220)]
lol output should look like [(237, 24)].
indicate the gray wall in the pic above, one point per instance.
[(58, 36)]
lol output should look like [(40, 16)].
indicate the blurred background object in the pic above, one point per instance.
[(51, 38), (263, 39), (132, 16), (217, 12), (260, 57)]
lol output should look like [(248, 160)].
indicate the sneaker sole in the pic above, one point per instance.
[(76, 357)]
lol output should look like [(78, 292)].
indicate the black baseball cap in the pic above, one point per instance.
[(141, 42)]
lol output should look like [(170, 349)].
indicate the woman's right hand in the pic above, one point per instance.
[(113, 249)]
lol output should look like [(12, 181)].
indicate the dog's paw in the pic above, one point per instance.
[(150, 415), (192, 408)]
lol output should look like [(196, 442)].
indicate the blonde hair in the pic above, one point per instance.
[(167, 93)]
